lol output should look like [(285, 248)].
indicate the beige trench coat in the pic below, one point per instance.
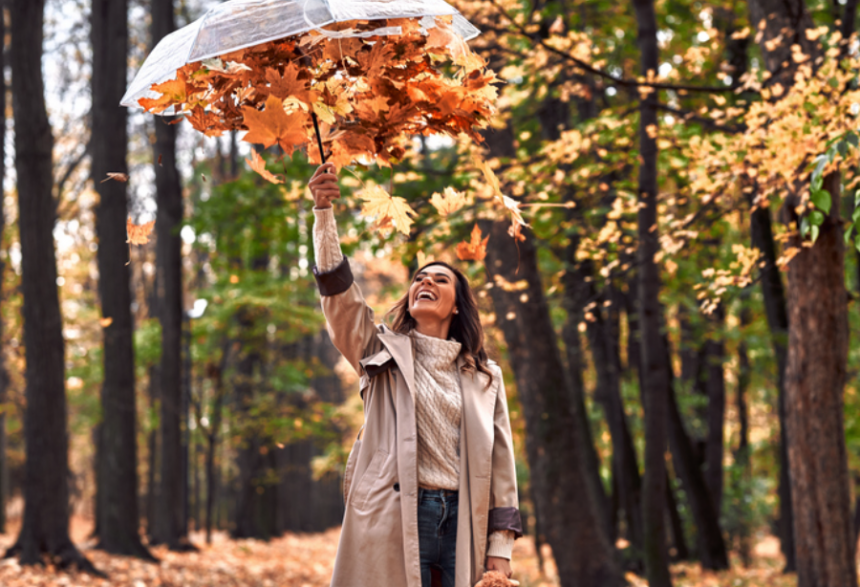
[(379, 539)]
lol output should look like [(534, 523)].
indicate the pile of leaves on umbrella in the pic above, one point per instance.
[(369, 94)]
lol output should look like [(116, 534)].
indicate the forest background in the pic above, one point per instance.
[(673, 323)]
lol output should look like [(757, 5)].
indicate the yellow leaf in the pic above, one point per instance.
[(449, 201), (324, 113), (378, 203)]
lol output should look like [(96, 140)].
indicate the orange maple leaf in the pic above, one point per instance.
[(474, 250), (289, 84), (172, 93), (138, 234), (274, 125), (258, 164)]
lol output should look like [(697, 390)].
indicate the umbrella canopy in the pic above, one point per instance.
[(238, 24)]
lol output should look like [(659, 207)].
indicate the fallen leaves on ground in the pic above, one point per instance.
[(307, 560)]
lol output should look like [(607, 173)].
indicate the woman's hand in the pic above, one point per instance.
[(323, 186), (501, 565)]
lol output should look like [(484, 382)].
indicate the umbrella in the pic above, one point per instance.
[(250, 64)]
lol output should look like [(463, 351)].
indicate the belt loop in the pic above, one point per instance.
[(420, 493)]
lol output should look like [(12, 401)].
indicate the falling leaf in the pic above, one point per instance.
[(159, 159), (116, 176), (475, 249), (172, 92), (105, 322), (379, 204), (449, 201), (139, 234), (274, 125), (258, 164)]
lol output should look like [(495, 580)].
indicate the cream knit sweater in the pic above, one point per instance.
[(438, 397)]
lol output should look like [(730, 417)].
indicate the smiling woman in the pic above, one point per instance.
[(432, 484)]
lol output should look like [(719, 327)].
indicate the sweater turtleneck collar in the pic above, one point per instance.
[(435, 352)]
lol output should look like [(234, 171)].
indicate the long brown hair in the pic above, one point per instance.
[(465, 325)]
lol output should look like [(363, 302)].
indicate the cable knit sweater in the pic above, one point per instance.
[(438, 397)]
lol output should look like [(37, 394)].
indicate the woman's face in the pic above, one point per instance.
[(433, 294)]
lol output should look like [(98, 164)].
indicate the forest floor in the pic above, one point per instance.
[(305, 560)]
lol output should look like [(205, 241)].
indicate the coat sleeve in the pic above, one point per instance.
[(504, 502), (349, 319)]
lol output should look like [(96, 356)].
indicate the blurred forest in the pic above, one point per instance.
[(674, 323)]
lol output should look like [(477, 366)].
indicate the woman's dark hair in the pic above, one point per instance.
[(465, 325)]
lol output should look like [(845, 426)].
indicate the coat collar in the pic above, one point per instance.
[(399, 346)]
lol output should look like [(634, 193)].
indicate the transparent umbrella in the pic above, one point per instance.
[(238, 24)]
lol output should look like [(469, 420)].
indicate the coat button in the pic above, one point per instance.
[(397, 487)]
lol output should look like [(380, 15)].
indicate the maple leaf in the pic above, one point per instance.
[(376, 60), (449, 201), (383, 206), (258, 164), (511, 205), (138, 234), (115, 176), (475, 249), (289, 84), (172, 93), (274, 125)]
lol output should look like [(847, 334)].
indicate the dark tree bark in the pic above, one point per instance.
[(817, 346), (654, 371), (777, 318), (711, 545), (815, 380), (742, 453), (45, 528), (117, 459), (4, 374), (715, 387), (679, 540), (169, 527), (554, 443)]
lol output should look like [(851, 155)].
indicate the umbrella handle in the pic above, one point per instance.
[(319, 139)]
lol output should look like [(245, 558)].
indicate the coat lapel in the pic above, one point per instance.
[(400, 347)]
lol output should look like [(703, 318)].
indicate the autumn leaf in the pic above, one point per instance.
[(105, 322), (511, 205), (172, 93), (274, 125), (289, 85), (138, 234), (475, 249), (115, 176), (449, 201), (384, 207), (258, 164)]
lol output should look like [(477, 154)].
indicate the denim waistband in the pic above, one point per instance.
[(437, 494)]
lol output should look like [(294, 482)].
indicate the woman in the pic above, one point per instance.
[(431, 484)]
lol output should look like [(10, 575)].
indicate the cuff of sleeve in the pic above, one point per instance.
[(501, 544), (506, 518), (336, 281)]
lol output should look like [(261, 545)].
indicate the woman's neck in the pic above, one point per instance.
[(434, 329)]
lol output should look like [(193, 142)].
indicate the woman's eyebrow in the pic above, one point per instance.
[(435, 274)]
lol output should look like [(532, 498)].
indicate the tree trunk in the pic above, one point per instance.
[(4, 374), (117, 460), (679, 541), (773, 293), (715, 387), (170, 527), (554, 443), (815, 380), (45, 528), (712, 546), (742, 454), (654, 371)]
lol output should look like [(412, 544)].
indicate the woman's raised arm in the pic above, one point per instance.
[(349, 319)]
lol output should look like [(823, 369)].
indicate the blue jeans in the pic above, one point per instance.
[(437, 534)]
